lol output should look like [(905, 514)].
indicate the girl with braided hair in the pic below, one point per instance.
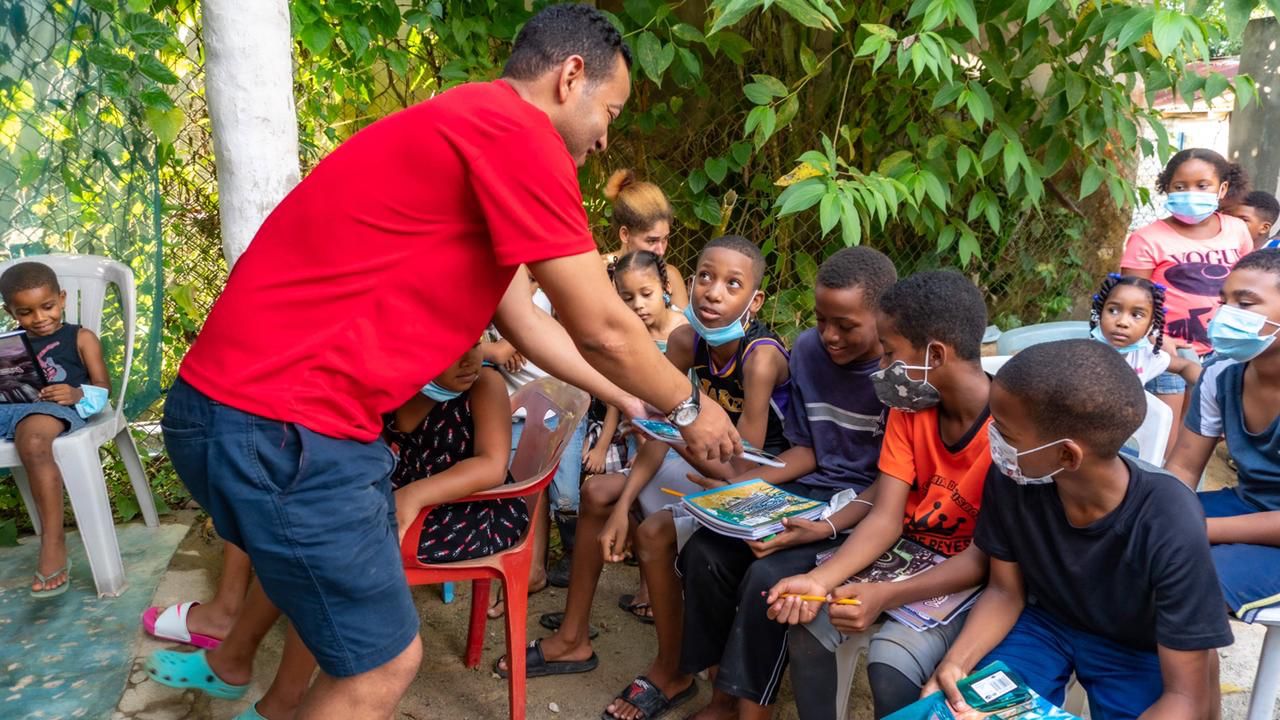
[(1128, 314)]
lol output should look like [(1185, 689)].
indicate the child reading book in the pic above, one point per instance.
[(932, 464), (742, 367), (1099, 565), (835, 424), (1238, 398), (70, 357)]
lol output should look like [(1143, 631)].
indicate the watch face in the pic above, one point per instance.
[(686, 415)]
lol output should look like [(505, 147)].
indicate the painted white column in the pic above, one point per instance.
[(249, 91)]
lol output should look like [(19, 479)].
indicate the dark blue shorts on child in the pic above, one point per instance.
[(316, 516), (1249, 574)]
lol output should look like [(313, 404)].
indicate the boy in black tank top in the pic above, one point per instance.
[(742, 366), (77, 384)]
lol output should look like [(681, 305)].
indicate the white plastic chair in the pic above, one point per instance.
[(85, 279), (1266, 683), (991, 364), (1011, 341), (1152, 437)]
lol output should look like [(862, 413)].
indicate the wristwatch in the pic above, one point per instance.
[(686, 412)]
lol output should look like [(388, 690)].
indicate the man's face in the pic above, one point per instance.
[(589, 105)]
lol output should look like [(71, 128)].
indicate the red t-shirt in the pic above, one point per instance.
[(385, 264)]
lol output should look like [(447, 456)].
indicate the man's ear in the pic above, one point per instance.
[(572, 75)]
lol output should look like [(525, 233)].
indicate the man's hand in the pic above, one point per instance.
[(712, 436), (792, 610), (633, 407), (61, 393), (945, 679), (704, 482), (614, 537), (851, 619), (795, 532)]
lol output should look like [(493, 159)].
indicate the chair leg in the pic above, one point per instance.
[(1266, 683), (479, 616), (82, 476), (516, 589), (137, 476), (24, 488)]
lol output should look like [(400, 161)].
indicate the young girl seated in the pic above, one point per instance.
[(454, 439), (1128, 314), (641, 280), (71, 359)]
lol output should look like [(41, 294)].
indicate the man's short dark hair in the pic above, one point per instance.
[(1267, 260), (1078, 389), (560, 32), (938, 306), (27, 276), (859, 267), (1265, 204), (741, 245)]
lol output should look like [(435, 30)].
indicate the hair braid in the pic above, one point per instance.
[(1100, 298), (1157, 315)]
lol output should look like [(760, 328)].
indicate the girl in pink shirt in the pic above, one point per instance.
[(1191, 252)]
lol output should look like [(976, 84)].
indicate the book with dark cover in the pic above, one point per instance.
[(21, 377)]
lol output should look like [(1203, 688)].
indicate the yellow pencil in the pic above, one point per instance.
[(819, 598), (669, 491)]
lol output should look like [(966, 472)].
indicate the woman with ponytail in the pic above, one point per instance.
[(642, 219)]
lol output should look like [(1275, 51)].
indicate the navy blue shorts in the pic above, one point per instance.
[(1121, 682), (1249, 574), (316, 516)]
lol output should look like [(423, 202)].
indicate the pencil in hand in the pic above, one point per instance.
[(817, 598)]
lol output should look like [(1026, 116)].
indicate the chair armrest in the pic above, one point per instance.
[(409, 544)]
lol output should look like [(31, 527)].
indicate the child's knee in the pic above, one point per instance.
[(599, 494), (35, 442), (656, 535)]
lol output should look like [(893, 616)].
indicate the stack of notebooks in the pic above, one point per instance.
[(903, 560), (749, 510), (995, 691)]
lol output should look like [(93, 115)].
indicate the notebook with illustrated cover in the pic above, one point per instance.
[(666, 432), (749, 510), (21, 377), (904, 559)]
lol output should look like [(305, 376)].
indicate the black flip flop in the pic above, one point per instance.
[(628, 603), (553, 620), (644, 696), (536, 665)]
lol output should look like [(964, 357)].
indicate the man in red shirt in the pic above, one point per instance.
[(370, 277)]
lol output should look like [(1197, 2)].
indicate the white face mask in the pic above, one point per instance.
[(1005, 457)]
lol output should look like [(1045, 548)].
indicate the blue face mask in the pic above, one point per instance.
[(439, 394), (1096, 334), (1192, 208), (1237, 333), (716, 337)]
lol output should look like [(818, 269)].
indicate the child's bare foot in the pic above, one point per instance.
[(52, 564), (211, 619)]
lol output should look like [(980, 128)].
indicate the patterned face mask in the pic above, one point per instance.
[(896, 388), (1005, 457)]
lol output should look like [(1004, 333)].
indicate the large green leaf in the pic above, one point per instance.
[(153, 68), (1167, 29), (801, 196)]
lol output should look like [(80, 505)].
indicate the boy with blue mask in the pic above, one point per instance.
[(932, 466), (742, 367), (1098, 564), (1238, 398)]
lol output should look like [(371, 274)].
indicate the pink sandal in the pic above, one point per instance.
[(171, 624)]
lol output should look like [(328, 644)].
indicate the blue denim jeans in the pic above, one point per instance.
[(568, 480)]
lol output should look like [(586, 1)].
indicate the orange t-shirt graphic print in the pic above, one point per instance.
[(946, 482)]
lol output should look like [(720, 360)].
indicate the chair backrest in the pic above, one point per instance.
[(991, 364), (1152, 437), (1011, 341), (85, 279), (552, 412)]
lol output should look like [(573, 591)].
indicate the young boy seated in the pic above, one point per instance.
[(1238, 398), (69, 358), (835, 423), (1259, 210), (742, 366), (1099, 565), (933, 464)]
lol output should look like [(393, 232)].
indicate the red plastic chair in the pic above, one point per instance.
[(537, 456)]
